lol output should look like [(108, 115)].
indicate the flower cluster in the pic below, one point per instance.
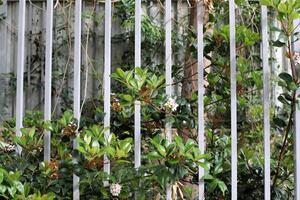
[(115, 189), (171, 104), (8, 148), (296, 58), (70, 129)]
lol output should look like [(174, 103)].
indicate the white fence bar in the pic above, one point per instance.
[(48, 77), (168, 56), (297, 146), (296, 48), (20, 71), (107, 70), (200, 55), (137, 134), (266, 99), (233, 100), (137, 107), (76, 92), (168, 63)]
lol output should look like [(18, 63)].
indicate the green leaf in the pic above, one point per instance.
[(95, 144), (173, 161), (266, 2), (120, 73), (12, 191), (292, 86), (87, 139), (81, 149), (278, 43), (127, 97), (154, 155), (110, 150), (31, 132), (178, 140), (3, 189), (208, 177), (19, 187), (1, 177), (48, 126), (279, 122), (125, 145), (212, 185), (163, 176), (188, 191), (161, 149), (286, 77), (189, 144), (282, 7), (222, 186)]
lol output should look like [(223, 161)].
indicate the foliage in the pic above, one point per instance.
[(182, 160), (12, 188), (164, 162)]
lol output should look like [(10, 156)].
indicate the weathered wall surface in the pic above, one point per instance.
[(92, 49)]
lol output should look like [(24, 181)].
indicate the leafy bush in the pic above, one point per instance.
[(165, 162)]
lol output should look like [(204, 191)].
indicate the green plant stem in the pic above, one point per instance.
[(294, 72), (283, 147), (290, 122)]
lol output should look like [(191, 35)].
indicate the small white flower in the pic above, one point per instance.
[(9, 148), (171, 104), (296, 58), (115, 189)]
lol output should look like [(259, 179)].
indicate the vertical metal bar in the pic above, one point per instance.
[(137, 135), (76, 92), (297, 146), (233, 98), (296, 48), (20, 70), (107, 71), (200, 45), (266, 99), (48, 77), (168, 63), (77, 59), (168, 57), (137, 107)]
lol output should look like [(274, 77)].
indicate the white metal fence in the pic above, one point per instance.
[(168, 73)]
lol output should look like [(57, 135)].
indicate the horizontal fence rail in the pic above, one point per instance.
[(168, 81)]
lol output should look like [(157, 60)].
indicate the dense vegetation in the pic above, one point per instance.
[(165, 163)]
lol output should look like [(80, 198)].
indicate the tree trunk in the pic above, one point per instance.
[(189, 83)]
